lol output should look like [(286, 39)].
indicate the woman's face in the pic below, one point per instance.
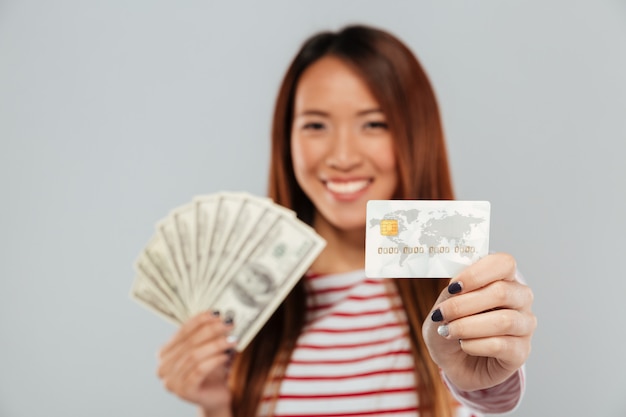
[(341, 147)]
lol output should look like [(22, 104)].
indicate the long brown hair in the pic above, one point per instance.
[(406, 97)]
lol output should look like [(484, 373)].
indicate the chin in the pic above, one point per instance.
[(350, 224)]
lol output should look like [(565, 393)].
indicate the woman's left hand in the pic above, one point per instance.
[(480, 334)]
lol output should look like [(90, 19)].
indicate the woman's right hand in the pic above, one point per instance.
[(195, 363)]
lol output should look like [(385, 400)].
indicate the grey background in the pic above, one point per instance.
[(114, 112)]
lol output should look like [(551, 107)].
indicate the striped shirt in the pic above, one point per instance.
[(354, 358)]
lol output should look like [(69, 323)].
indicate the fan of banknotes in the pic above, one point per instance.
[(230, 251)]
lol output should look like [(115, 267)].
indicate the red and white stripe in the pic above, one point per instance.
[(353, 357)]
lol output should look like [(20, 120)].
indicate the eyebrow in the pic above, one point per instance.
[(325, 114)]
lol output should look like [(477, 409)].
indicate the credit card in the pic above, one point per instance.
[(424, 238)]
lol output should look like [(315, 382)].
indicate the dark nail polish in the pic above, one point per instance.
[(228, 320), (437, 316), (216, 313), (455, 288), (231, 356)]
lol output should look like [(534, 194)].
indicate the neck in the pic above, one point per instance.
[(344, 251)]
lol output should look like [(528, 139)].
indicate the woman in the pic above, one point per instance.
[(356, 119)]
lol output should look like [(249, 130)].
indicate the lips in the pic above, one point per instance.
[(347, 186)]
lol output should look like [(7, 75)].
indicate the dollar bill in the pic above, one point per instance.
[(247, 222), (172, 253), (265, 278), (154, 294), (228, 210), (156, 256), (206, 216), (267, 221), (168, 294), (144, 296), (228, 251), (184, 223)]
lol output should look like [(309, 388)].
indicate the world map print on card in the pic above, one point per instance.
[(424, 238)]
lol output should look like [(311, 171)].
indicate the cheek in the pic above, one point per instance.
[(297, 154), (299, 161), (305, 156), (388, 162), (384, 157)]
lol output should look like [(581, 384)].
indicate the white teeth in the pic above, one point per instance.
[(347, 187)]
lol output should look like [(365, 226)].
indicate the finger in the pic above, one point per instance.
[(208, 333), (504, 322), (497, 295), (201, 334), (493, 267), (177, 368), (184, 385), (219, 347), (204, 334), (213, 368), (510, 351), (189, 328)]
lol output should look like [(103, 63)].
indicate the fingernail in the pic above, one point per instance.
[(455, 287), (228, 321), (231, 356), (216, 313), (437, 316), (443, 330)]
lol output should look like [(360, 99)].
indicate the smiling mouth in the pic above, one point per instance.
[(347, 187)]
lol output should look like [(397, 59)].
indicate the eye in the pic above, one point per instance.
[(313, 126), (376, 124)]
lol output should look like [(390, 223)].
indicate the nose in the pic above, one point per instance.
[(344, 153)]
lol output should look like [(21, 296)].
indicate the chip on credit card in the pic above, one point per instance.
[(424, 238)]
